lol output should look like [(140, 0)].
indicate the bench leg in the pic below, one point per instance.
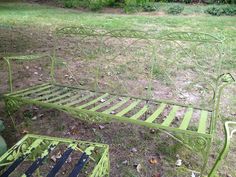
[(228, 135), (11, 106), (205, 156), (197, 144)]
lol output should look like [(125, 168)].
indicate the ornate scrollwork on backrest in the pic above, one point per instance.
[(191, 36), (189, 63), (79, 31), (177, 65), (118, 58)]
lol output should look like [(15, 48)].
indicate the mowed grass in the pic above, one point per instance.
[(40, 16), (33, 14)]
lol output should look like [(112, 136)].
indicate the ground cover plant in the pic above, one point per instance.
[(134, 6), (34, 24)]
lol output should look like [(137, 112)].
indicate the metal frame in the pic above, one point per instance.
[(230, 130), (199, 141), (37, 148)]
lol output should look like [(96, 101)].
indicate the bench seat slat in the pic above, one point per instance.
[(28, 89), (187, 118), (116, 106), (72, 97), (20, 159), (79, 166), (156, 113), (60, 162), (46, 92), (107, 102), (75, 101), (76, 98), (140, 113), (39, 161), (93, 101), (51, 94), (34, 91), (203, 122), (59, 97), (171, 116), (131, 106)]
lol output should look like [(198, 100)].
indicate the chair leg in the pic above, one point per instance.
[(228, 135)]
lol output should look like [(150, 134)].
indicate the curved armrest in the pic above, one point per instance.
[(222, 81), (23, 58), (230, 130)]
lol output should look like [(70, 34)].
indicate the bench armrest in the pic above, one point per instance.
[(230, 130), (223, 81), (8, 60)]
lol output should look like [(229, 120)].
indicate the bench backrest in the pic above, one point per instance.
[(180, 65)]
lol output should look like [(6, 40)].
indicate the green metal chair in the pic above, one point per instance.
[(97, 105), (36, 155)]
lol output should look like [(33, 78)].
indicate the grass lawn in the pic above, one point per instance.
[(33, 18), (39, 16)]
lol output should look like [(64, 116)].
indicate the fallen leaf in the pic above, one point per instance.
[(69, 160), (178, 163), (101, 127), (74, 131), (134, 150), (125, 162), (53, 158), (113, 112), (34, 118), (58, 156), (139, 167), (102, 100), (25, 131), (153, 160)]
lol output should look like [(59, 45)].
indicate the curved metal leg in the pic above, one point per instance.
[(230, 129), (9, 73)]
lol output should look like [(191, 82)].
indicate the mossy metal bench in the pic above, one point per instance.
[(197, 125), (36, 155)]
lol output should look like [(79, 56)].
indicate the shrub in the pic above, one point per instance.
[(229, 10), (218, 10), (92, 4), (95, 5), (132, 8), (149, 7), (136, 2), (70, 3), (175, 9), (139, 5)]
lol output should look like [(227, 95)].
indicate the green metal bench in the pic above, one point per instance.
[(97, 105), (36, 155)]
